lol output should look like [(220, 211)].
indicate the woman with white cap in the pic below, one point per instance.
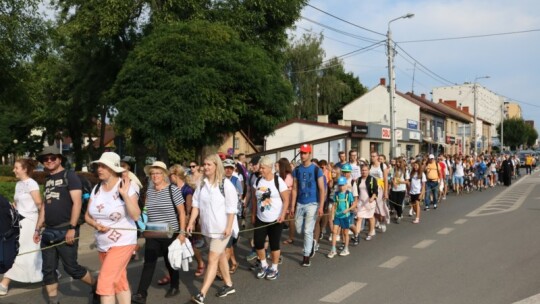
[(111, 209), (164, 204)]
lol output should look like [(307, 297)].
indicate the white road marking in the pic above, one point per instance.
[(424, 244), (530, 300), (507, 201), (445, 231), (394, 262), (460, 221), (343, 292)]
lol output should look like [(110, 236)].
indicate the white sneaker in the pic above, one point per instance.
[(387, 221), (3, 290), (383, 228), (330, 237), (338, 238), (331, 254), (344, 252)]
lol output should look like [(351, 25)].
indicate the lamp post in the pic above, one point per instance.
[(503, 114), (476, 112), (392, 89)]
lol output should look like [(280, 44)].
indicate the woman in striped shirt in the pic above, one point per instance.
[(164, 204)]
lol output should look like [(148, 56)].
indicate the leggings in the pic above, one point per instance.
[(396, 201)]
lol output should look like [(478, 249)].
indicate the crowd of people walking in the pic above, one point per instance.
[(206, 205)]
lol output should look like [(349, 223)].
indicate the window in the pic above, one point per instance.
[(236, 143), (376, 147)]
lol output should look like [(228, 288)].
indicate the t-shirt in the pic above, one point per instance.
[(355, 172), (159, 206), (109, 209), (442, 168), (376, 172), (459, 169), (58, 203), (403, 176), (23, 199), (342, 201), (269, 210), (432, 172), (416, 183), (307, 183)]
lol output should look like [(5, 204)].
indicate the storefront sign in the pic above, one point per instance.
[(359, 129), (412, 124), (385, 133), (414, 135)]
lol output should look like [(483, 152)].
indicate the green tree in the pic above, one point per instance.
[(532, 135), (193, 82), (516, 132)]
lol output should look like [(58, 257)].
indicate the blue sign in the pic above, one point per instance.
[(412, 124)]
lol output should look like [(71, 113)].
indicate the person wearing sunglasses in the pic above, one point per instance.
[(59, 216)]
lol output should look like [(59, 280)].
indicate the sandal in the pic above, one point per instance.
[(164, 281), (200, 270), (288, 242), (233, 268)]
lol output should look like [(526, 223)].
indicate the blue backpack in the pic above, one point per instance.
[(9, 234)]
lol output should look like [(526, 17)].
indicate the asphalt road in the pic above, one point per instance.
[(480, 247)]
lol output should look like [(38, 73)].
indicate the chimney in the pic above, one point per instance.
[(466, 110), (452, 103), (382, 82), (423, 96), (322, 118)]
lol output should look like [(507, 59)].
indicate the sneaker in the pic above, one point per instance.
[(435, 206), (316, 247), (383, 227), (199, 298), (312, 254), (225, 291), (338, 238), (138, 299), (272, 274), (330, 237), (251, 256), (321, 236), (306, 262), (411, 212), (387, 221), (426, 208), (398, 219), (444, 197), (341, 247), (332, 254), (356, 240), (262, 272), (370, 237), (3, 290), (344, 252)]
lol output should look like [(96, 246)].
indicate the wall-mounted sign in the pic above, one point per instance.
[(412, 124), (385, 133), (399, 135), (359, 129), (414, 135), (450, 140)]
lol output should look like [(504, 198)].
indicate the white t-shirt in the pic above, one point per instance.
[(403, 177), (459, 169), (416, 183), (214, 208), (23, 199), (270, 209), (352, 186), (355, 172), (109, 209)]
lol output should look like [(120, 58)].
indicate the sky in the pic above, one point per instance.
[(511, 61)]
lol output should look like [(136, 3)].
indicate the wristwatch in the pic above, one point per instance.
[(72, 227)]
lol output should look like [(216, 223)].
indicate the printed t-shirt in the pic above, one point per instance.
[(270, 209), (58, 203)]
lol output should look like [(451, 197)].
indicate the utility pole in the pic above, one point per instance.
[(475, 86), (392, 88)]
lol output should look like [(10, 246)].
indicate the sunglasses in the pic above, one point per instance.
[(49, 158), (193, 166)]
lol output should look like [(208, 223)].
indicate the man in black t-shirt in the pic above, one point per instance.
[(59, 217)]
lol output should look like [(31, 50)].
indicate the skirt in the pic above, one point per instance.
[(27, 267)]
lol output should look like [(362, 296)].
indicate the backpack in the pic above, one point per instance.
[(483, 168), (86, 189), (9, 234)]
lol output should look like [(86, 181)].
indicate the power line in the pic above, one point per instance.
[(421, 69), (339, 31), (327, 37), (472, 36), (348, 22), (427, 69)]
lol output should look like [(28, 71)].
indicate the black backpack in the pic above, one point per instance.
[(9, 234), (86, 189)]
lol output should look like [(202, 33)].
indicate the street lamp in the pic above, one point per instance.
[(392, 90), (476, 112), (503, 113)]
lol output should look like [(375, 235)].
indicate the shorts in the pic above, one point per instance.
[(414, 198), (459, 180), (218, 245), (344, 222)]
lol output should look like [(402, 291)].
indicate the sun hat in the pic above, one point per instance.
[(346, 168), (342, 181), (305, 148), (49, 150), (229, 163), (157, 164), (111, 160)]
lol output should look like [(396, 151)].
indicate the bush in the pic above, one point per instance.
[(7, 189), (6, 170)]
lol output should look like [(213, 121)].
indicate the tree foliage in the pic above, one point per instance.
[(194, 81), (321, 87), (517, 132)]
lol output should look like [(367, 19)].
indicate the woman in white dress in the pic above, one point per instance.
[(27, 267)]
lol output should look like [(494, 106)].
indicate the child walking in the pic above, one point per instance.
[(344, 202)]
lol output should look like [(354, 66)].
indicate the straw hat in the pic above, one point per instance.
[(157, 164)]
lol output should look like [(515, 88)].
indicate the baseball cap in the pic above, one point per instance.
[(431, 156), (228, 163), (305, 148), (342, 180)]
